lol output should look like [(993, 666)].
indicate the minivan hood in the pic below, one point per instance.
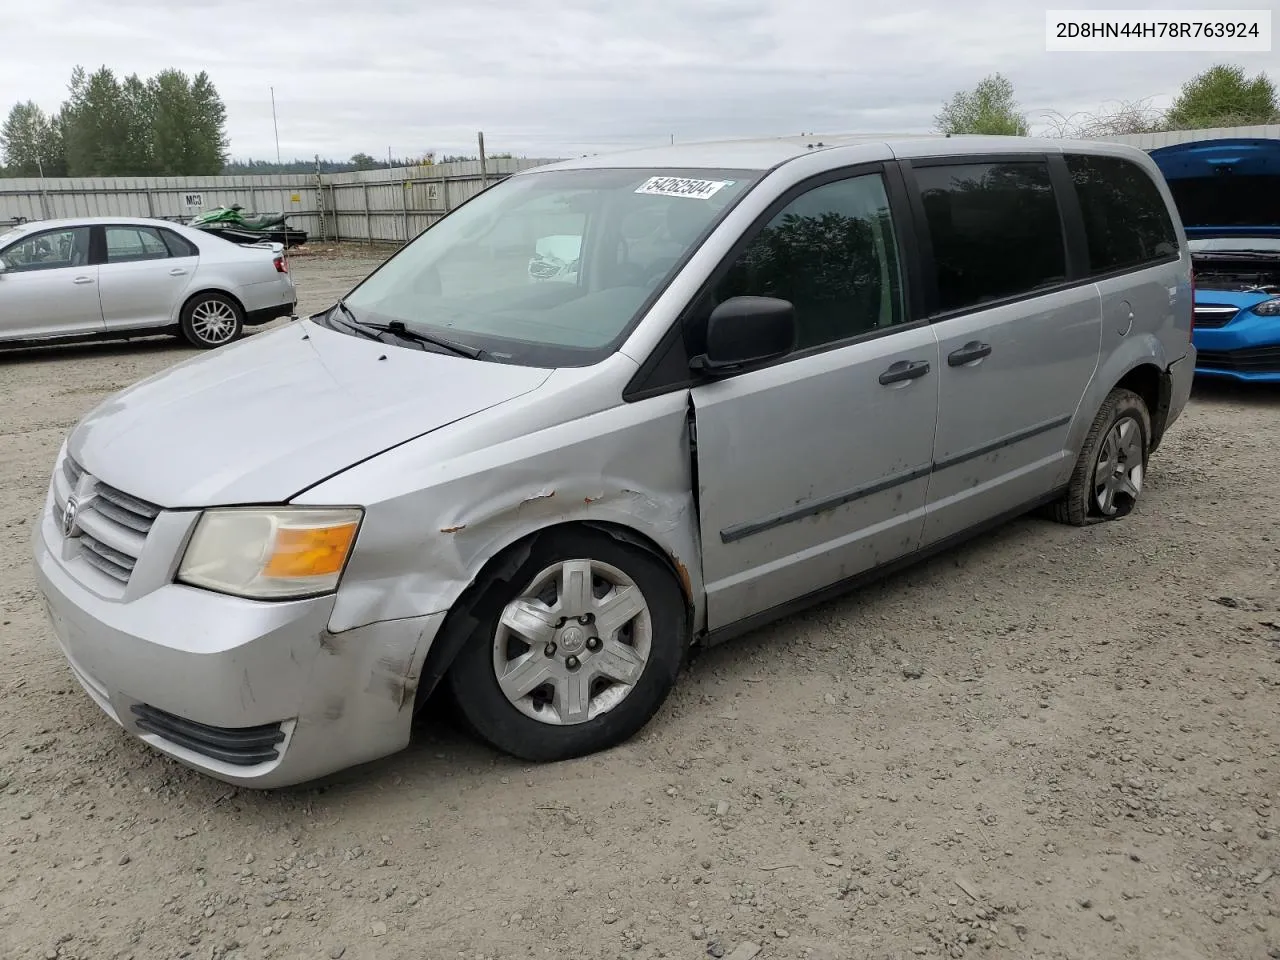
[(262, 420)]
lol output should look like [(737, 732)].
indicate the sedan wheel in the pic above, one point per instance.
[(212, 320)]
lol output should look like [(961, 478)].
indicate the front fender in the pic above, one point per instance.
[(431, 526)]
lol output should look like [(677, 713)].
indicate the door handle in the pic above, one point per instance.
[(971, 351), (83, 280), (904, 370), (177, 272)]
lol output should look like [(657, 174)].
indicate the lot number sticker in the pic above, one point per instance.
[(193, 199), (681, 187)]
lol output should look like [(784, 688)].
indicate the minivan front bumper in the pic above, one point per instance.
[(255, 694)]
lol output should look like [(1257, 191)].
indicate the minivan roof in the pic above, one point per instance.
[(765, 154)]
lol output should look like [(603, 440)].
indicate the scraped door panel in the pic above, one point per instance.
[(816, 469), (812, 471)]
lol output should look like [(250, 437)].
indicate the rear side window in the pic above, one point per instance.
[(178, 246), (130, 244), (995, 230), (1126, 221)]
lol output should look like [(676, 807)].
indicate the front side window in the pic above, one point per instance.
[(832, 253), (128, 244), (995, 230), (1126, 221), (48, 250), (549, 268)]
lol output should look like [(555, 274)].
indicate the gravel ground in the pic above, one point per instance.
[(1050, 743)]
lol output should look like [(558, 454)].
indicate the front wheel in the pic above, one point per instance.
[(1111, 472), (575, 652), (211, 320)]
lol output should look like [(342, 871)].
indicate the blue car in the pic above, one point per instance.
[(1228, 195)]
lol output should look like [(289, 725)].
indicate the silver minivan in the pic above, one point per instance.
[(606, 411)]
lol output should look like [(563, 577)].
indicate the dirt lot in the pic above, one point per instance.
[(1052, 743)]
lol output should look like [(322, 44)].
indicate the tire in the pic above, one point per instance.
[(547, 722), (1086, 501), (212, 320)]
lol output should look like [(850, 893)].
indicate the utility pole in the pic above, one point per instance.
[(44, 200), (324, 227), (484, 170), (275, 125)]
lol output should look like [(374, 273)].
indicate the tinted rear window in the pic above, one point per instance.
[(1125, 219), (995, 230)]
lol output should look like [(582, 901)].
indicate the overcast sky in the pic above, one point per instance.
[(553, 78)]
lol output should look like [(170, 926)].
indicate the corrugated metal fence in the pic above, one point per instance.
[(389, 205), (1151, 141)]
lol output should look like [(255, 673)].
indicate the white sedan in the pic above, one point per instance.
[(107, 277)]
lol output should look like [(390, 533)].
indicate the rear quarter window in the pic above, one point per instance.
[(1126, 222), (178, 246)]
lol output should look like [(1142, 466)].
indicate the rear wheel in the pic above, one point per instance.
[(1111, 472), (212, 320), (575, 652)]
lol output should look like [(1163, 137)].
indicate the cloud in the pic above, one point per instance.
[(575, 76)]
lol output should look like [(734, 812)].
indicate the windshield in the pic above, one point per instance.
[(550, 268), (1235, 245)]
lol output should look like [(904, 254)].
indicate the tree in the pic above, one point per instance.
[(96, 125), (136, 156), (170, 125), (989, 108), (31, 143), (362, 161), (188, 120), (209, 141), (1223, 96)]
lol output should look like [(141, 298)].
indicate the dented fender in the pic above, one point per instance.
[(438, 509)]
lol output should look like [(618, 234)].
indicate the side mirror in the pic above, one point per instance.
[(747, 330)]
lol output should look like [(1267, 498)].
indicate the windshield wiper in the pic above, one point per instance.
[(397, 328)]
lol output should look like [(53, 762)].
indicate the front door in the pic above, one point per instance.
[(142, 280), (815, 469), (1018, 337), (47, 287)]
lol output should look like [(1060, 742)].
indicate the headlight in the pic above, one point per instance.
[(1268, 308), (270, 553)]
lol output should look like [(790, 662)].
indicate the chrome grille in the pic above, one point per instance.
[(1212, 315), (114, 563), (72, 471), (128, 511), (112, 524)]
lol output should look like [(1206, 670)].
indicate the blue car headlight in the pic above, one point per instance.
[(1268, 308)]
